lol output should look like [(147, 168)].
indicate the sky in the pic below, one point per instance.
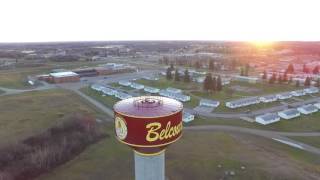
[(104, 20)]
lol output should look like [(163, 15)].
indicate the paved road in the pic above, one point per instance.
[(267, 134)]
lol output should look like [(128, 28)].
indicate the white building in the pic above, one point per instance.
[(187, 117), (151, 78), (267, 118), (109, 91), (284, 96), (311, 90), (317, 105), (136, 86), (177, 96), (174, 90), (209, 103), (122, 95), (298, 93), (125, 83), (97, 87), (289, 113), (242, 102), (246, 79), (149, 89), (269, 98), (200, 79), (307, 109)]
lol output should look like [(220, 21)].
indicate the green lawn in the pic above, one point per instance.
[(163, 83), (265, 88), (198, 155), (29, 113), (304, 123), (313, 141), (118, 86), (16, 78), (108, 101)]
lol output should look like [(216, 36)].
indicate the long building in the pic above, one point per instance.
[(64, 77)]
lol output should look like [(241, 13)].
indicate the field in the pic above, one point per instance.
[(118, 86), (163, 83), (108, 101), (198, 155), (304, 123), (30, 113), (16, 78), (313, 141)]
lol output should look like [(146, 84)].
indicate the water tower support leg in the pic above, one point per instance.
[(149, 167)]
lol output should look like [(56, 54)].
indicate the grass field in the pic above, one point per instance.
[(163, 83), (198, 155), (313, 141), (29, 113), (16, 78), (310, 123), (118, 86), (108, 101)]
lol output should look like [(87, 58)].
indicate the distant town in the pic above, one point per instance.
[(265, 95)]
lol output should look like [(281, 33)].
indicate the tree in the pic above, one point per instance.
[(169, 74), (305, 68), (241, 71), (166, 60), (171, 66), (285, 77), (307, 82), (186, 76), (315, 70), (176, 75), (197, 65), (273, 78), (214, 84), (219, 84), (264, 76), (297, 83), (246, 70), (211, 66), (207, 83), (280, 79), (290, 69)]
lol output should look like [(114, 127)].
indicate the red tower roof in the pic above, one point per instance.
[(148, 106)]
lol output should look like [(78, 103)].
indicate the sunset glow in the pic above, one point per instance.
[(84, 20)]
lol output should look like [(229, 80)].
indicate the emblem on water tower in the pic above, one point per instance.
[(121, 128)]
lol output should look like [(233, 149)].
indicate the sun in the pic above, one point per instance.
[(262, 44)]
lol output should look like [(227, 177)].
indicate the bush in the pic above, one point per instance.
[(38, 154)]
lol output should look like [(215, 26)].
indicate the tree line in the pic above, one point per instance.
[(210, 83)]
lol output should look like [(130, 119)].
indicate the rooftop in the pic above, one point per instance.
[(269, 116), (64, 74)]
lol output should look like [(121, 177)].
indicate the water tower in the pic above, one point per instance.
[(148, 124)]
